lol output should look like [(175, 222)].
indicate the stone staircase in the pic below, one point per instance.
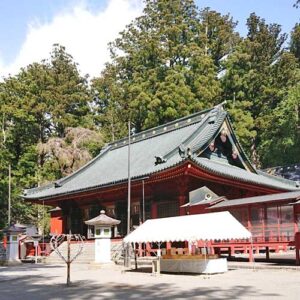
[(88, 255)]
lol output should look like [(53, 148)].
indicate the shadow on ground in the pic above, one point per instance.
[(25, 288)]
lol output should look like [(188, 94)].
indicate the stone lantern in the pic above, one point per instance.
[(102, 233), (12, 249)]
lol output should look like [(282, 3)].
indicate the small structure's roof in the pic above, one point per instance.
[(202, 195), (55, 209), (14, 229), (103, 219), (204, 227), (258, 199), (158, 149)]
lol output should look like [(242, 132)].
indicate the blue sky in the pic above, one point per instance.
[(28, 28)]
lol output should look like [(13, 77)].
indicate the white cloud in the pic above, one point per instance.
[(84, 33)]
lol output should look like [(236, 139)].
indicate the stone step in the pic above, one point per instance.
[(87, 255), (142, 262)]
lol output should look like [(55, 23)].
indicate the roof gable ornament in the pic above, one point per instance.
[(184, 152), (159, 160), (57, 184)]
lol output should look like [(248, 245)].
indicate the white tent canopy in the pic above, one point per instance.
[(206, 227)]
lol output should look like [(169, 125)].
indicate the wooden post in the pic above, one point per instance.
[(295, 220), (181, 201), (250, 253), (297, 248), (267, 253), (148, 249), (140, 250), (249, 223), (168, 245), (68, 260)]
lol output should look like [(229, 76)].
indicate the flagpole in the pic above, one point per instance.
[(127, 261), (9, 194), (129, 182)]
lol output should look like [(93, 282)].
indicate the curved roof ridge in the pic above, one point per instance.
[(192, 140), (161, 129)]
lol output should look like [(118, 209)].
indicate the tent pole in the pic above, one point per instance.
[(135, 258)]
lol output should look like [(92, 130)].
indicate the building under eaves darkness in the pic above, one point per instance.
[(167, 162)]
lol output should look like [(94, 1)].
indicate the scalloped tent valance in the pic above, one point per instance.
[(204, 227)]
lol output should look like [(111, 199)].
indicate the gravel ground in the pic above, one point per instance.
[(113, 282)]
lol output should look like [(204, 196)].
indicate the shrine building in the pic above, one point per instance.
[(166, 164)]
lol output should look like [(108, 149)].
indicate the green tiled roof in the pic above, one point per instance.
[(235, 173), (110, 166)]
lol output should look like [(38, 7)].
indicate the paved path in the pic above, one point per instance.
[(91, 282)]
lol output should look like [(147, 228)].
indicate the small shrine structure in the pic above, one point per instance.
[(13, 234), (101, 228)]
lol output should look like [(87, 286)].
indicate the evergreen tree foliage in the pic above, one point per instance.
[(258, 76), (164, 65), (36, 105), (281, 143), (295, 41)]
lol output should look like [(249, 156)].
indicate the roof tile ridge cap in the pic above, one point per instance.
[(170, 153), (201, 124), (216, 126), (63, 180), (205, 111)]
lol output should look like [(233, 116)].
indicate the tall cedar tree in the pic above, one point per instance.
[(38, 103), (164, 66), (258, 75)]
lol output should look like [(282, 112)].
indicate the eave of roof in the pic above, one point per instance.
[(235, 173), (295, 195)]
